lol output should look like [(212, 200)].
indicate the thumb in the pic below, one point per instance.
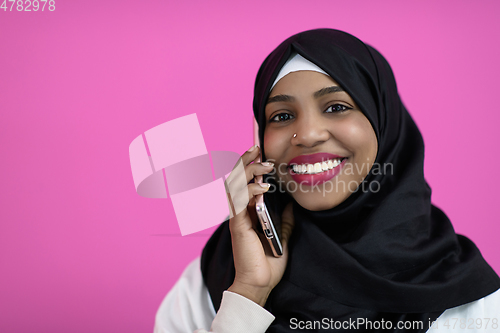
[(287, 224)]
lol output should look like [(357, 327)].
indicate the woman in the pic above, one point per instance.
[(368, 251)]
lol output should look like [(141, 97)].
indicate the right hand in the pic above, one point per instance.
[(257, 270)]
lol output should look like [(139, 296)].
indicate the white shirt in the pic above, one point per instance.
[(188, 308)]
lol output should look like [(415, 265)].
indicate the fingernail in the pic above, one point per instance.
[(265, 185), (268, 164), (252, 148)]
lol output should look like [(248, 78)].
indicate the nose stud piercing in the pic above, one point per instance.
[(295, 135)]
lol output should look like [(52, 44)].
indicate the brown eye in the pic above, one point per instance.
[(337, 108), (281, 117)]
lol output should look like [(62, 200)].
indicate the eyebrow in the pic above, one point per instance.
[(317, 94), (280, 98), (327, 90)]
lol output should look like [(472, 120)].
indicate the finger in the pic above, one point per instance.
[(256, 170), (235, 185), (257, 158), (240, 176), (242, 198), (250, 155), (250, 172)]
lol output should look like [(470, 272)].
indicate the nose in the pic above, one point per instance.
[(311, 130)]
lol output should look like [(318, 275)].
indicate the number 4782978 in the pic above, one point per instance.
[(28, 5)]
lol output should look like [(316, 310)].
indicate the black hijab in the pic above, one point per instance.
[(389, 254)]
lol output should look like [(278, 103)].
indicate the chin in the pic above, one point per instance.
[(317, 202)]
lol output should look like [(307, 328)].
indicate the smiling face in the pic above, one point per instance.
[(334, 147)]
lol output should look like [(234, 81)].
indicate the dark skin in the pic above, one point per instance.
[(325, 119), (257, 270)]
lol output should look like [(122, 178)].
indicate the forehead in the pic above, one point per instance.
[(302, 82)]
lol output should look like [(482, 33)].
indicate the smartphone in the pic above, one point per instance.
[(263, 213)]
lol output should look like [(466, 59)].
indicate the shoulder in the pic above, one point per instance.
[(187, 306), (482, 315)]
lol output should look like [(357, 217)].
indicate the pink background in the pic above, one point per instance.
[(80, 251)]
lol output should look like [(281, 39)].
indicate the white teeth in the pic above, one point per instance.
[(316, 167)]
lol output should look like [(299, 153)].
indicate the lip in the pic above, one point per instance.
[(318, 178), (313, 158)]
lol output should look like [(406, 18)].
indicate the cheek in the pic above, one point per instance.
[(369, 139), (274, 144), (359, 136)]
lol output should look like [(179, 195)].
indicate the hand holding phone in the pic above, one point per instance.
[(266, 221), (258, 271)]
